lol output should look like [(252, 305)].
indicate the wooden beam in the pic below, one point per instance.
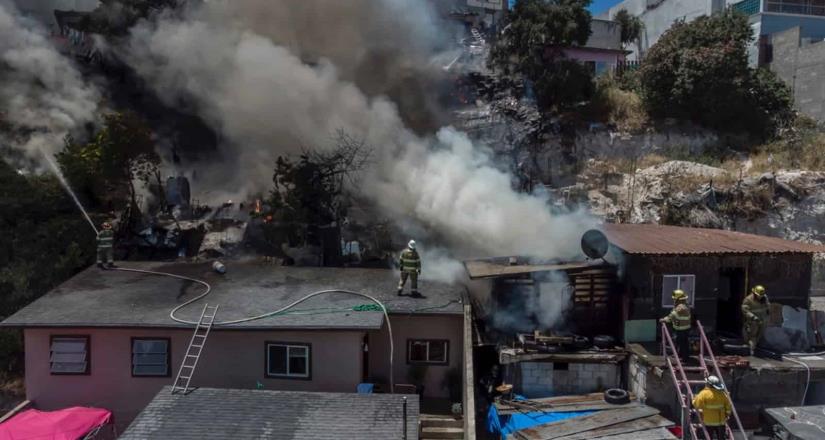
[(508, 356), (469, 403), (633, 426), (516, 407), (555, 430), (15, 410)]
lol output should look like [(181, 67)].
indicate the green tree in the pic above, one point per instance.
[(699, 71), (45, 241), (631, 26), (531, 47), (310, 191), (120, 152)]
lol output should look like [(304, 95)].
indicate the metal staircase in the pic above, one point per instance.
[(691, 419), (193, 352)]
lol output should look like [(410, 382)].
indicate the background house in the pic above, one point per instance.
[(603, 50), (768, 17), (106, 339), (800, 62), (657, 17)]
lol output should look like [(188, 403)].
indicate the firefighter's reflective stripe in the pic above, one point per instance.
[(410, 262), (105, 239), (715, 406), (680, 317)]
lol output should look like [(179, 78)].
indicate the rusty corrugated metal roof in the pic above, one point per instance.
[(662, 240), (493, 267)]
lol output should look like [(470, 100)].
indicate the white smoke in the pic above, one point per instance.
[(265, 101), (43, 97)]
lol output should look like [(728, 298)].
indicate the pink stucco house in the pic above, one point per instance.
[(106, 338), (603, 50)]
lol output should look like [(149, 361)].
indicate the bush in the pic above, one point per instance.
[(45, 241), (699, 71), (622, 108)]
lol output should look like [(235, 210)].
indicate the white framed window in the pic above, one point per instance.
[(69, 355), (672, 282), (288, 360), (427, 351), (150, 357)]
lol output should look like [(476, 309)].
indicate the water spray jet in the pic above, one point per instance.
[(65, 185)]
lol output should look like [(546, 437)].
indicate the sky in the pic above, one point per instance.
[(599, 6)]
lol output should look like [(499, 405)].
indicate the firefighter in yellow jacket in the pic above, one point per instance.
[(713, 404), (679, 320), (410, 264), (755, 311)]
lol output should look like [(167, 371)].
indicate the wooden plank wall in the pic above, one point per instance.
[(595, 301)]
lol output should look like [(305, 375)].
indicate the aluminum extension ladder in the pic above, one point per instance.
[(193, 352), (679, 373)]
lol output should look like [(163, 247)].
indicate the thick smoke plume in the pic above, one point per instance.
[(384, 47), (266, 101), (42, 95)]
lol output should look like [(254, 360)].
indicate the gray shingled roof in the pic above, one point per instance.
[(210, 413), (100, 298)]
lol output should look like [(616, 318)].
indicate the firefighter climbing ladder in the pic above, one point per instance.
[(193, 352), (679, 373)]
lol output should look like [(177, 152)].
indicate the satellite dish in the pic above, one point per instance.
[(595, 244)]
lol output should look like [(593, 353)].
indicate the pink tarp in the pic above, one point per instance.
[(65, 424)]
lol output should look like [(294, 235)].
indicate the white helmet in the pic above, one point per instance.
[(715, 382), (411, 244)]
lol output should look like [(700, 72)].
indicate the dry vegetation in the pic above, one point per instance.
[(618, 106)]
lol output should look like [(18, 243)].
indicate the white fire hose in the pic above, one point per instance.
[(208, 288)]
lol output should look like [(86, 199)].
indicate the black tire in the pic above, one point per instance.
[(604, 341), (736, 349), (616, 396), (581, 342), (548, 348), (728, 340)]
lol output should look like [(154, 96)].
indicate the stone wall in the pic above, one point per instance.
[(543, 379), (552, 162)]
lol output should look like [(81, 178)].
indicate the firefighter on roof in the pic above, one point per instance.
[(714, 406), (755, 311), (105, 243), (679, 320), (410, 264)]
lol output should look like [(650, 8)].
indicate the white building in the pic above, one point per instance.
[(658, 16)]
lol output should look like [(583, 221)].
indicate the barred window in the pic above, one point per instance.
[(69, 355), (150, 357)]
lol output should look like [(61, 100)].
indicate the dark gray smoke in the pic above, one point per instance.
[(266, 101), (43, 97)]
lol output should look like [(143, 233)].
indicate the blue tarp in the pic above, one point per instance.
[(508, 424)]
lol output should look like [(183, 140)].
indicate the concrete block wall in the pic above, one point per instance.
[(536, 379), (802, 67), (543, 379), (586, 378)]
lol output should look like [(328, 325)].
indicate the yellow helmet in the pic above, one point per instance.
[(758, 290), (679, 295)]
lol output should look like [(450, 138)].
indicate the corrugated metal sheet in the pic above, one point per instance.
[(664, 240), (498, 267)]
